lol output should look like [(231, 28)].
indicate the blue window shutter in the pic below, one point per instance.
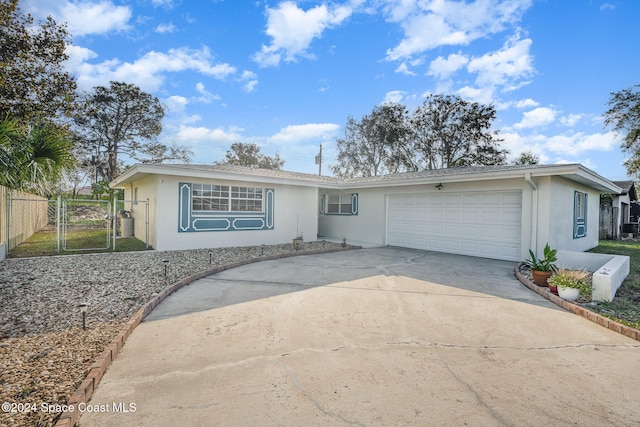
[(585, 214), (354, 204), (322, 203), (579, 215)]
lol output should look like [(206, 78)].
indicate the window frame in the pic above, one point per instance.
[(346, 203), (219, 198)]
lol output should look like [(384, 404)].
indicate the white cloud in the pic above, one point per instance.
[(443, 67), (482, 95), (526, 103), (148, 72), (205, 96), (166, 28), (579, 142), (571, 119), (428, 25), (82, 17), (404, 69), (564, 148), (250, 80), (537, 117), (297, 133), (293, 29), (176, 104), (77, 56), (250, 86), (395, 96), (505, 67), (201, 134)]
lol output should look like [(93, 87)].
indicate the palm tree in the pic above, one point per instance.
[(33, 157)]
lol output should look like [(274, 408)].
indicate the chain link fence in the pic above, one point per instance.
[(35, 226), (131, 229)]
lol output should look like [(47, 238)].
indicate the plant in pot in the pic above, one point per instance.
[(572, 284), (543, 268)]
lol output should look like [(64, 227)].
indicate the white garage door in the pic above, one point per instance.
[(484, 224)]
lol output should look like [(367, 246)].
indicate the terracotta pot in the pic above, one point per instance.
[(540, 277), (553, 289)]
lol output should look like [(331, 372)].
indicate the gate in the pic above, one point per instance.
[(85, 225), (36, 226), (607, 229)]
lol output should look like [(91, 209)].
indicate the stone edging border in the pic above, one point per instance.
[(577, 309), (84, 392)]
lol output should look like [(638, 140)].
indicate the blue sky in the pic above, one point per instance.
[(286, 75)]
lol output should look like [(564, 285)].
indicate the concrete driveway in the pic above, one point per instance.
[(381, 336)]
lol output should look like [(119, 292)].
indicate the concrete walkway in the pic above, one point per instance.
[(381, 336)]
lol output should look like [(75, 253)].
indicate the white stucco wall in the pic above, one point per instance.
[(147, 189), (295, 209), (370, 225), (555, 215)]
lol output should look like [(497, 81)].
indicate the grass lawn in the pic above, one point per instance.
[(43, 243), (625, 307)]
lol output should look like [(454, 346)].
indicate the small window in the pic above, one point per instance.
[(345, 204), (579, 215)]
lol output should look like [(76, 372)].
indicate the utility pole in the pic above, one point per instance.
[(319, 161)]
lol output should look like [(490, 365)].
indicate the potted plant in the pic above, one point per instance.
[(298, 241), (543, 268), (572, 283)]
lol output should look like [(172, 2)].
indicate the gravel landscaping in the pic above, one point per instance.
[(44, 351)]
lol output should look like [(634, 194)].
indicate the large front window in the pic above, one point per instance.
[(224, 198)]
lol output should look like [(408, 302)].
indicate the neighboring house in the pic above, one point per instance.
[(490, 211), (622, 202)]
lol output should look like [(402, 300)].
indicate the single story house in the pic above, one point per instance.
[(622, 203), (487, 211)]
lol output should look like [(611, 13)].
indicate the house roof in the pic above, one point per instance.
[(574, 172), (628, 188)]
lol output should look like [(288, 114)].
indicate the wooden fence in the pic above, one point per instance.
[(608, 228), (28, 215)]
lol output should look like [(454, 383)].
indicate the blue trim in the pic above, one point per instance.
[(202, 221), (354, 204), (579, 224)]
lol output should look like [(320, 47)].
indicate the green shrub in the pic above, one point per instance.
[(547, 263), (577, 279)]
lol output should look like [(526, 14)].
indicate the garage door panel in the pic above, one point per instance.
[(511, 216), (486, 224), (490, 216), (514, 199), (452, 214), (490, 199), (470, 199)]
